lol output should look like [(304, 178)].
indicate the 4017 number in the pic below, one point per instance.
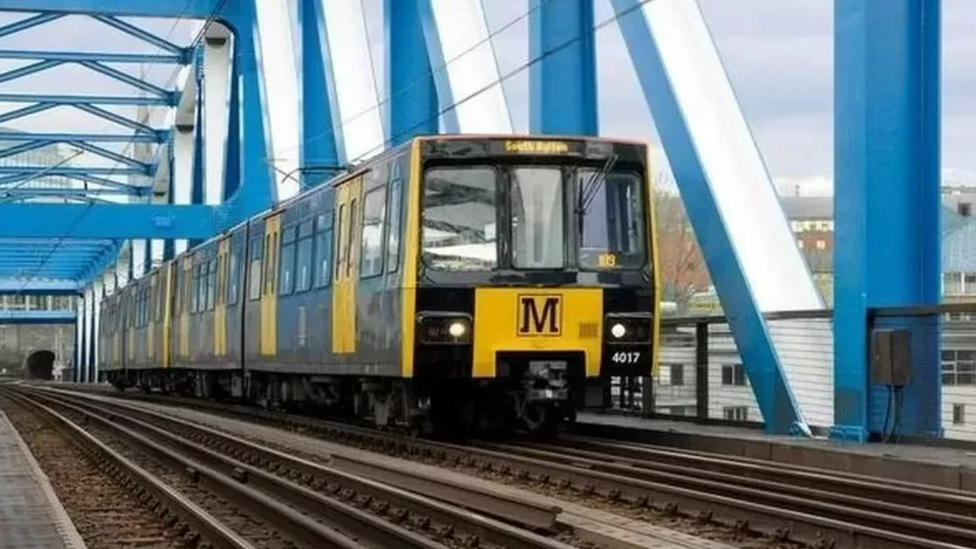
[(624, 357)]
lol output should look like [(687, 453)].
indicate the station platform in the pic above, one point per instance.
[(936, 465), (31, 516)]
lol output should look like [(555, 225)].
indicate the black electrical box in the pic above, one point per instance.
[(891, 354)]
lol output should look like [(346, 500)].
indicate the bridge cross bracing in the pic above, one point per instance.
[(200, 113)]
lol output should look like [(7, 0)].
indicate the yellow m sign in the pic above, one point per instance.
[(539, 315)]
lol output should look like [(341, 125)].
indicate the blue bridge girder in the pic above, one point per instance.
[(170, 100), (121, 221), (38, 317), (35, 286)]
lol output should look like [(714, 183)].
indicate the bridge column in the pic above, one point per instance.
[(412, 109), (562, 85), (79, 350), (887, 202), (98, 292)]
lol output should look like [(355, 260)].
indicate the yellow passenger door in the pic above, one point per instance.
[(220, 300), (347, 210), (269, 288)]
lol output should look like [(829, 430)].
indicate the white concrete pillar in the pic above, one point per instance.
[(217, 56)]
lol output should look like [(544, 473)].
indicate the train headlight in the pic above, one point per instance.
[(629, 328), (457, 329), (444, 328)]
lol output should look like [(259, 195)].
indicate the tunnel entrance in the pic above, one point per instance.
[(40, 365)]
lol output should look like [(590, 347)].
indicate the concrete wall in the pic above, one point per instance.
[(18, 341)]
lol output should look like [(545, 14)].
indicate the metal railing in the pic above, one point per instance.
[(701, 378)]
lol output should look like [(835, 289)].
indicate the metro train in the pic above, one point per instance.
[(454, 282)]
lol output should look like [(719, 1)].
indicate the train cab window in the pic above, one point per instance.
[(538, 213), (287, 267), (371, 247), (459, 219), (613, 222), (323, 251), (303, 266), (254, 270), (393, 244), (232, 278)]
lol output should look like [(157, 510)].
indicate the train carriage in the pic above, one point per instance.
[(455, 280)]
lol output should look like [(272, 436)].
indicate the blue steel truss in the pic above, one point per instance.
[(92, 190)]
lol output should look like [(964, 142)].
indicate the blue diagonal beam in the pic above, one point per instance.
[(103, 57), (149, 101), (23, 148), (124, 78), (108, 221), (25, 111), (29, 23), (111, 155), (115, 118), (28, 70), (700, 122), (156, 137), (139, 33)]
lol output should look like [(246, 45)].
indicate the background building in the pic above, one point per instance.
[(685, 282)]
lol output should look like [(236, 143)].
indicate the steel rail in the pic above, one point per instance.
[(151, 490), (248, 492), (454, 504), (779, 516)]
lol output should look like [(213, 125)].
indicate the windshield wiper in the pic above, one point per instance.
[(587, 191)]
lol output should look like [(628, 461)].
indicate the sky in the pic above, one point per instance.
[(778, 56)]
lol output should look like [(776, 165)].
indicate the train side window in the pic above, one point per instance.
[(393, 243), (232, 272), (212, 285), (195, 290), (371, 247), (323, 252), (202, 288), (254, 271), (178, 295), (340, 242), (349, 238), (303, 267), (287, 262), (160, 295)]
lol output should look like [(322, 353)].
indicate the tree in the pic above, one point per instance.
[(682, 269)]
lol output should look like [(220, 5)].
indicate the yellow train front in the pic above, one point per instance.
[(455, 281), (535, 279)]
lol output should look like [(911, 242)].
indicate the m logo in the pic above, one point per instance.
[(539, 315)]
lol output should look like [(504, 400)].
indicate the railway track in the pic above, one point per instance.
[(814, 507), (371, 500)]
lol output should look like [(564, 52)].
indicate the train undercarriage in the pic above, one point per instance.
[(416, 407)]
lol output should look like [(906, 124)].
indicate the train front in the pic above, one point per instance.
[(535, 276)]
